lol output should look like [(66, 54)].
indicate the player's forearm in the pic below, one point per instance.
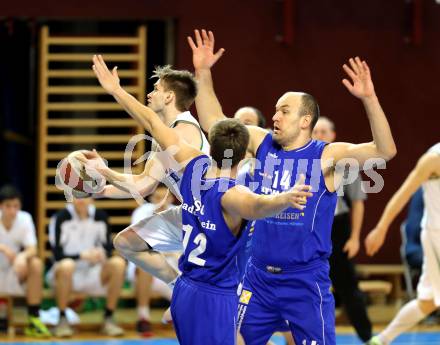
[(380, 129), (113, 192), (208, 106), (124, 182), (124, 186), (131, 105), (393, 208), (357, 217), (267, 205)]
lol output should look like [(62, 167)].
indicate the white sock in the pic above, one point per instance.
[(407, 317), (144, 312)]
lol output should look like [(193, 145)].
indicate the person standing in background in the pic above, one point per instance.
[(346, 229)]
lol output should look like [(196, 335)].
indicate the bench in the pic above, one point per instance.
[(391, 285), (376, 289)]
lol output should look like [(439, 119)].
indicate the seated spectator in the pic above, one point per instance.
[(144, 282), (21, 271), (413, 248), (80, 239)]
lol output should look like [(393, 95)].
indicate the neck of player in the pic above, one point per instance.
[(301, 140), (214, 172), (169, 115)]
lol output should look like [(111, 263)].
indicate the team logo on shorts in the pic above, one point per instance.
[(245, 296)]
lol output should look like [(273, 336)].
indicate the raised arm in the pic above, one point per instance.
[(382, 145), (110, 82), (165, 136), (427, 166), (208, 106)]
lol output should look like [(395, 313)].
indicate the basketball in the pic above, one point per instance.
[(269, 175), (72, 173)]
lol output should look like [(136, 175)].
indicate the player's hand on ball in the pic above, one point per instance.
[(108, 80), (374, 241), (72, 176), (298, 195), (91, 154), (94, 164)]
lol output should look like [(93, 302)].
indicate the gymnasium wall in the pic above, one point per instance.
[(256, 68)]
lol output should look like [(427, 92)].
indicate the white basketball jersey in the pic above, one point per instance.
[(172, 178), (20, 235), (431, 198)]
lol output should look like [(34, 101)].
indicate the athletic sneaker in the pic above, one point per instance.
[(143, 327), (36, 328), (111, 329), (63, 329), (374, 341)]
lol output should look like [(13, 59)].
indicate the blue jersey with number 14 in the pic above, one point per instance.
[(293, 237), (210, 248)]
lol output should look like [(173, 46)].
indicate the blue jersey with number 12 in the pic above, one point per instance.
[(210, 248)]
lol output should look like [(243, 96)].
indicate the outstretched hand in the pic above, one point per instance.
[(203, 50), (298, 195), (108, 80), (361, 85)]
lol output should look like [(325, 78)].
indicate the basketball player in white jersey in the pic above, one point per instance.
[(427, 174), (173, 94)]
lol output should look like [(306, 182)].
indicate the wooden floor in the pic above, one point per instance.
[(88, 333), (379, 314)]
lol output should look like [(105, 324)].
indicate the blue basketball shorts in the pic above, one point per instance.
[(204, 314), (300, 295)]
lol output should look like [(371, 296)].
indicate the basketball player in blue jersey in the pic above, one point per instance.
[(253, 117), (214, 208), (287, 277)]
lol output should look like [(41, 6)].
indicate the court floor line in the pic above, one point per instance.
[(424, 338)]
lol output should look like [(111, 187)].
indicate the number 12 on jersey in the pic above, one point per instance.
[(199, 240)]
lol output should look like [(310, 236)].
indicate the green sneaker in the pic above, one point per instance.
[(36, 328), (375, 341)]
